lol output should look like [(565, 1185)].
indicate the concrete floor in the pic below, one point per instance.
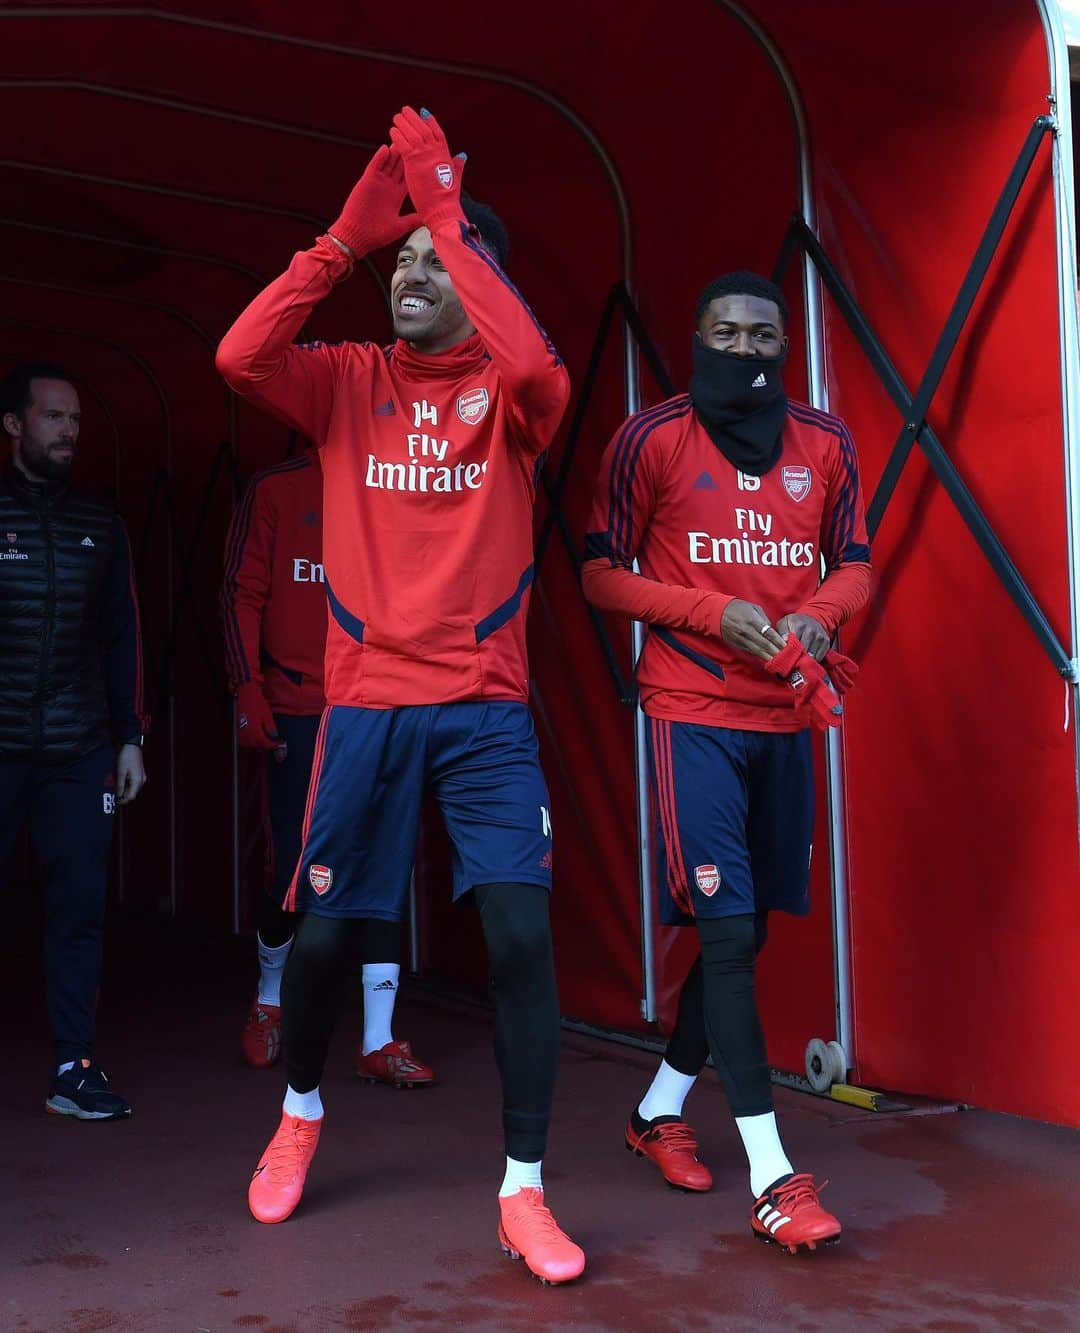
[(953, 1222)]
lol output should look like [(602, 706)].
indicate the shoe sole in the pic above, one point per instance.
[(671, 1184), (393, 1083), (511, 1253), (810, 1245), (64, 1106)]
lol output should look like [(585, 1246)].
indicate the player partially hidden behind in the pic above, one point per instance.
[(273, 603), (729, 497), (430, 450)]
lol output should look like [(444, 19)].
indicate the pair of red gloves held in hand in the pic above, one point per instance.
[(416, 163), (817, 685)]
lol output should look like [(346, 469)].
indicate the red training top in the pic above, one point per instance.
[(429, 466), (273, 601), (704, 533)]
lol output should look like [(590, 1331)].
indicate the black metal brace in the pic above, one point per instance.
[(914, 407)]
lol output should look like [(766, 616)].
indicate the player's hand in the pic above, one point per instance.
[(372, 214), (256, 728), (130, 773), (810, 633), (432, 175), (745, 626)]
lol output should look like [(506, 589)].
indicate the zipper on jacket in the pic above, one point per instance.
[(48, 628)]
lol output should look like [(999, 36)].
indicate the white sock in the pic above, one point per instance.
[(271, 966), (304, 1105), (768, 1161), (69, 1064), (380, 992), (666, 1094), (520, 1175)]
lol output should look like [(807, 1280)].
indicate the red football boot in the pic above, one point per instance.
[(261, 1039), (528, 1231), (278, 1181), (394, 1064), (790, 1214), (670, 1143)]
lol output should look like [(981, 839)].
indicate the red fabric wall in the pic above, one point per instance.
[(961, 780), (964, 897)]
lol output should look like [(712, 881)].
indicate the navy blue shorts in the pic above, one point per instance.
[(735, 820), (373, 768), (287, 783)]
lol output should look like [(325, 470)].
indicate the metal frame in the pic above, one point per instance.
[(914, 407), (843, 997), (632, 394), (1060, 98)]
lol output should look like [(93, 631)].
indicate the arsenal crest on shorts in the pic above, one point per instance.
[(444, 174), (796, 481), (472, 406), (707, 879), (321, 877)]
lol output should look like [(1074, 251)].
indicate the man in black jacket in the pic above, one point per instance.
[(71, 713)]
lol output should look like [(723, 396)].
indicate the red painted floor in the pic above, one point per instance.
[(953, 1222)]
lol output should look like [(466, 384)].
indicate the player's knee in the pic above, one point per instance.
[(517, 931), (321, 941), (729, 943)]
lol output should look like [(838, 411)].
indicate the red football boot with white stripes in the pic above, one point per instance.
[(394, 1064), (790, 1214)]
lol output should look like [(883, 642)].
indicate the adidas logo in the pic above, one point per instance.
[(760, 382), (386, 409), (705, 483), (86, 542), (386, 985)]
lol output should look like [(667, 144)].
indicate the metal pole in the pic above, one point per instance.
[(646, 909), (1065, 220), (819, 397)]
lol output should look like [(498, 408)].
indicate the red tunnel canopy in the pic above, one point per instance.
[(158, 166)]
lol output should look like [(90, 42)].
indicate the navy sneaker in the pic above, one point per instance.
[(84, 1092)]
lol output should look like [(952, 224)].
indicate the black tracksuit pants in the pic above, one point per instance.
[(71, 811)]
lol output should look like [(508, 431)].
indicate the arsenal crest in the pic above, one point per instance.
[(796, 481), (321, 878), (707, 879), (444, 174), (472, 406)]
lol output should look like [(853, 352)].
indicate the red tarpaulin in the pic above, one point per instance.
[(159, 166)]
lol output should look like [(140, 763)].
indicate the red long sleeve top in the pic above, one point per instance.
[(273, 598), (429, 466), (704, 533)]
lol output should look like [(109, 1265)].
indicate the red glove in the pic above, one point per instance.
[(372, 214), (254, 720), (814, 698), (432, 175), (841, 671)]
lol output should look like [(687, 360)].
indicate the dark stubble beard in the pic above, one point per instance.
[(37, 462)]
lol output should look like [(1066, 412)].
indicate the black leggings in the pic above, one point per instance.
[(718, 1013), (378, 941), (517, 932)]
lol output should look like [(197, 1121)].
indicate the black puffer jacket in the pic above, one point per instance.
[(70, 652)]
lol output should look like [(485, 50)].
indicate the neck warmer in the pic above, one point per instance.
[(740, 400), (462, 359)]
